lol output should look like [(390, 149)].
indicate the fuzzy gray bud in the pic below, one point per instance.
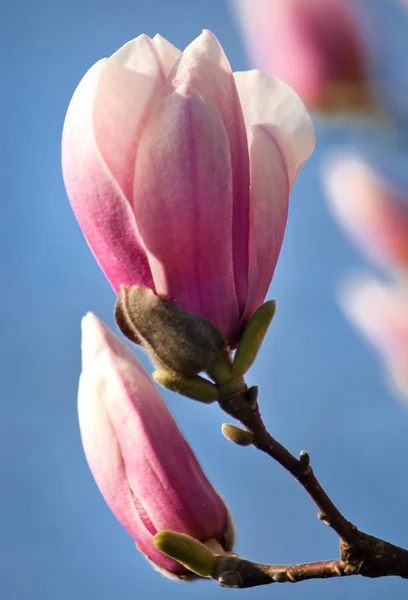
[(176, 340)]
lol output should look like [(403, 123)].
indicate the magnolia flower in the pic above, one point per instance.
[(380, 312), (144, 468), (373, 213), (179, 173), (313, 45)]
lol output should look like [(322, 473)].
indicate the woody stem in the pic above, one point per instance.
[(360, 553)]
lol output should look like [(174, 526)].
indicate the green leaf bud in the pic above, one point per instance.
[(194, 387), (193, 555), (252, 338)]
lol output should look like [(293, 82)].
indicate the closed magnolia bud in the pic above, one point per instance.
[(179, 172), (143, 466), (176, 340), (313, 45), (380, 312), (371, 210)]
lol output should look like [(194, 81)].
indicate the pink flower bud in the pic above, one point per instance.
[(179, 174), (313, 45), (373, 213), (143, 466), (380, 312)]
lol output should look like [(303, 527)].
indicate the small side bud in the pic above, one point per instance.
[(176, 340), (194, 387), (304, 460), (280, 577), (193, 555), (236, 435), (252, 338), (230, 579), (252, 396), (323, 518)]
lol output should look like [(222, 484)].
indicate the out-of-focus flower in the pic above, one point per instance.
[(145, 469), (373, 213), (313, 45), (380, 312), (179, 173)]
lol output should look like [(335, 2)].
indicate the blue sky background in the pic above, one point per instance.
[(321, 389)]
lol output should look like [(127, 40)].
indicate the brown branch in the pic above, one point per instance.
[(236, 572), (248, 414), (360, 553)]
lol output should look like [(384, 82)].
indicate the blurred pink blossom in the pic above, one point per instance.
[(380, 312), (313, 45), (373, 213), (145, 469), (179, 174)]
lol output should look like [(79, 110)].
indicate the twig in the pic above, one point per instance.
[(249, 415), (360, 553), (233, 571)]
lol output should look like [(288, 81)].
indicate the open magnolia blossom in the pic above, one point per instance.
[(380, 312), (143, 466), (371, 211), (313, 45), (179, 173)]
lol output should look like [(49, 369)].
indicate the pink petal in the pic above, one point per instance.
[(143, 466), (97, 338), (183, 207), (380, 312), (269, 210), (205, 69), (103, 213), (267, 100), (276, 42), (168, 53), (102, 448), (370, 210), (309, 44), (129, 87)]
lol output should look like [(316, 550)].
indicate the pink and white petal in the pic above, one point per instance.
[(269, 210), (97, 337), (268, 100), (102, 211), (205, 69), (129, 87), (288, 152), (168, 484), (102, 448), (264, 25), (105, 409), (168, 53), (127, 432), (371, 211), (380, 312), (104, 452), (183, 207), (283, 40)]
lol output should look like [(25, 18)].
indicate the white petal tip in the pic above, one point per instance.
[(91, 325), (97, 339)]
